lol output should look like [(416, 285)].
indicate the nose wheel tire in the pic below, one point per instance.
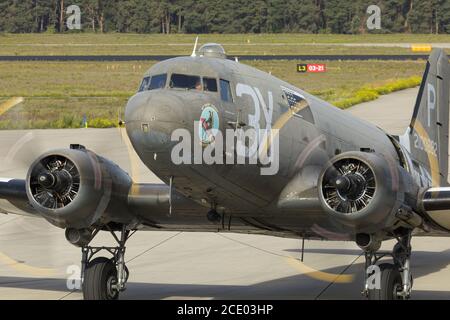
[(100, 279), (390, 284)]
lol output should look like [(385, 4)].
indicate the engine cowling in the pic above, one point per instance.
[(73, 188), (363, 191)]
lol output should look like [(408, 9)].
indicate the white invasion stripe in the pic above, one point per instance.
[(5, 179), (438, 189)]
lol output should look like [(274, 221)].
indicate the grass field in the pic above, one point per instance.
[(59, 94), (235, 44)]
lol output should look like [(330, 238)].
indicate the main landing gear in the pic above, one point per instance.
[(105, 278), (389, 281)]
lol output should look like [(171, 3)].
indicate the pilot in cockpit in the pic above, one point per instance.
[(198, 85)]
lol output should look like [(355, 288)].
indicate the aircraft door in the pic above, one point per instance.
[(232, 112)]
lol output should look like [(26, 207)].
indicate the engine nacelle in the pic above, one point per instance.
[(364, 191), (73, 188)]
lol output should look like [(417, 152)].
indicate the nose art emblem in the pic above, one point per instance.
[(209, 124)]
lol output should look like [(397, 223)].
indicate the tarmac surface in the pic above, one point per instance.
[(36, 262)]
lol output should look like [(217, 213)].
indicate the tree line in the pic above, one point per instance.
[(226, 16)]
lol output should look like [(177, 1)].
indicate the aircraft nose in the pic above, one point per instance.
[(151, 119)]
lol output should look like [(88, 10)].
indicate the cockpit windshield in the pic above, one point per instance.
[(153, 82), (186, 82), (158, 82), (144, 84)]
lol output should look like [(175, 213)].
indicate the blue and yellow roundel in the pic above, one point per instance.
[(209, 124)]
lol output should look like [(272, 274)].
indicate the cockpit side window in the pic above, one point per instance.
[(186, 82), (210, 84), (158, 82), (225, 91), (144, 85)]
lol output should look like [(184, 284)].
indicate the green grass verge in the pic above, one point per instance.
[(60, 95), (361, 95), (366, 94), (66, 122)]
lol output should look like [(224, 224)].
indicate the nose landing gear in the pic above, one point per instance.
[(103, 278)]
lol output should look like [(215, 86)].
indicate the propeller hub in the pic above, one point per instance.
[(58, 181), (47, 179), (350, 186), (343, 184)]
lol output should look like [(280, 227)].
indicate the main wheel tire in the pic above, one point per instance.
[(99, 277), (390, 283)]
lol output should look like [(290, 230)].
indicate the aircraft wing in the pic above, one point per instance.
[(76, 188), (13, 197)]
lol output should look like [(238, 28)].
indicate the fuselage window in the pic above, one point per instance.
[(210, 84), (225, 91), (158, 82), (186, 82), (144, 84)]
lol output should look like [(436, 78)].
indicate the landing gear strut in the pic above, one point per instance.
[(103, 278), (389, 281)]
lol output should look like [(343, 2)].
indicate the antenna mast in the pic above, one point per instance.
[(194, 52)]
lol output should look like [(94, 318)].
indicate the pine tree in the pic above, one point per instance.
[(231, 16)]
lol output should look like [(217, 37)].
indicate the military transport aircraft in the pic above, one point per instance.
[(332, 174)]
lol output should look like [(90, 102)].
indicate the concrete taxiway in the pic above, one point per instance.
[(36, 262)]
